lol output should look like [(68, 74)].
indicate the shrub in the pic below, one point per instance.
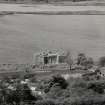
[(97, 87), (28, 75), (85, 100), (45, 102), (69, 60), (55, 80), (55, 93), (59, 80), (102, 61)]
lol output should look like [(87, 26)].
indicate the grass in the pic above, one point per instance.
[(23, 35)]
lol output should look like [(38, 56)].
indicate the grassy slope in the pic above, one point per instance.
[(22, 35)]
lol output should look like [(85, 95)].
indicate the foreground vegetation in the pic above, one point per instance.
[(27, 89), (54, 90)]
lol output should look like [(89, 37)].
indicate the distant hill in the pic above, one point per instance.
[(47, 1)]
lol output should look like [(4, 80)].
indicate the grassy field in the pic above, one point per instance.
[(23, 35)]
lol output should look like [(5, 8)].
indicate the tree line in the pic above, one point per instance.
[(83, 61)]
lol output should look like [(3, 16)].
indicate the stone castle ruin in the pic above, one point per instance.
[(49, 58)]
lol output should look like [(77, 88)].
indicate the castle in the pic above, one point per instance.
[(49, 58)]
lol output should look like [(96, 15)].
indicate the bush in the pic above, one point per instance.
[(85, 100), (55, 93), (102, 61), (55, 80), (97, 87), (45, 102), (59, 80)]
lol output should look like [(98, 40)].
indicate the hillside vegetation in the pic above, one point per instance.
[(53, 90), (27, 88), (61, 2)]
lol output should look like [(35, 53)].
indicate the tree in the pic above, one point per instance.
[(102, 61), (90, 62), (69, 60), (81, 59)]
